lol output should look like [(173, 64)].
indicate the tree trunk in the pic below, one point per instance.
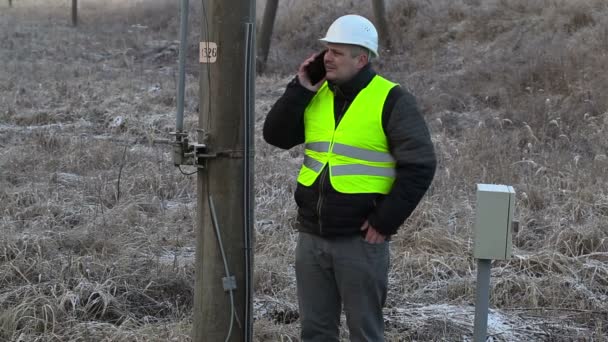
[(380, 14), (270, 13), (74, 12)]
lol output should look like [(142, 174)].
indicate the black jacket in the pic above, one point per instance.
[(324, 211)]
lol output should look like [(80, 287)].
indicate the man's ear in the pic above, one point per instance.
[(362, 60)]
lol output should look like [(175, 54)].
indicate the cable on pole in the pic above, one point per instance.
[(247, 178), (229, 282), (186, 173)]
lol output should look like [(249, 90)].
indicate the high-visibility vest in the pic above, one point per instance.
[(356, 151)]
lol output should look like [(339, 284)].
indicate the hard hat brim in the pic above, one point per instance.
[(336, 41)]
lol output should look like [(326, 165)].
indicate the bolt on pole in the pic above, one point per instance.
[(222, 297)]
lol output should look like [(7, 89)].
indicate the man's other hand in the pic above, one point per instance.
[(372, 235)]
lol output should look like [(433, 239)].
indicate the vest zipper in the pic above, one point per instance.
[(342, 112), (323, 176), (321, 193)]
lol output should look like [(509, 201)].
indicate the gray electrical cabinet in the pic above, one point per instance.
[(495, 206)]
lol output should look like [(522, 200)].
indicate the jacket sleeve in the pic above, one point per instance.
[(411, 146), (284, 124)]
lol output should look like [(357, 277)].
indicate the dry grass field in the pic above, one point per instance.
[(96, 224)]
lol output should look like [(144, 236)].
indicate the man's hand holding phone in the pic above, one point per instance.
[(311, 73)]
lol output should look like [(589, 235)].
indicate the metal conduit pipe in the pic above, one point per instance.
[(181, 85), (248, 174)]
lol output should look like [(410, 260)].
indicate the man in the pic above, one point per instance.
[(368, 162)]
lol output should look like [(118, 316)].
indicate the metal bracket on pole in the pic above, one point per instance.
[(200, 154), (180, 148), (186, 153), (196, 154)]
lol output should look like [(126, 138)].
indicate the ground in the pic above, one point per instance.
[(98, 225)]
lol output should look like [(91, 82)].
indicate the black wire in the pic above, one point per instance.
[(186, 173)]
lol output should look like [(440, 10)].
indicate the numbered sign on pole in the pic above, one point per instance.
[(208, 52)]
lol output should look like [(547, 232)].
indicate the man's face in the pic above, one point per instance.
[(340, 65)]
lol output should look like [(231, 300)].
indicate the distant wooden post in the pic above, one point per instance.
[(270, 12), (380, 14), (10, 3), (74, 12)]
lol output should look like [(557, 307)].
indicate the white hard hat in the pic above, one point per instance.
[(353, 29)]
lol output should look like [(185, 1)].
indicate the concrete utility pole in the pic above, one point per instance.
[(270, 12), (380, 14), (74, 12), (222, 302)]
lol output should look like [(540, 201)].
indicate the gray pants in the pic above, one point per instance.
[(332, 271)]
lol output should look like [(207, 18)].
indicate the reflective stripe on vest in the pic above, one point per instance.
[(357, 150), (352, 152), (312, 164), (358, 169), (363, 154)]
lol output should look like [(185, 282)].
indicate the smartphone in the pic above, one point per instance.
[(316, 69)]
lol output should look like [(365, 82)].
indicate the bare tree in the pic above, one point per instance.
[(74, 12), (380, 14), (270, 12)]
